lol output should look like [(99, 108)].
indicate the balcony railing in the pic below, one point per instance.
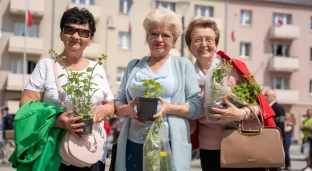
[(287, 96), (13, 105), (284, 64), (18, 7), (284, 31), (95, 10), (34, 45), (15, 81)]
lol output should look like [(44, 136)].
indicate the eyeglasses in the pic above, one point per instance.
[(81, 32), (155, 35), (200, 40)]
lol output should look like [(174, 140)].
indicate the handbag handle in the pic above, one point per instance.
[(252, 132), (59, 88)]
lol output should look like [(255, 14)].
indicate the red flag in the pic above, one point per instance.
[(30, 20), (280, 22), (130, 16), (233, 29)]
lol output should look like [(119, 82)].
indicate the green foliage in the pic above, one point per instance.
[(152, 147), (247, 91), (80, 87), (152, 88)]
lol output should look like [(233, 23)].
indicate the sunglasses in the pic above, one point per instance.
[(81, 32)]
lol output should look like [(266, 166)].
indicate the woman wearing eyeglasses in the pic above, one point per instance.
[(77, 31), (180, 101), (202, 38)]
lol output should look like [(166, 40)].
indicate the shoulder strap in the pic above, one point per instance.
[(59, 88)]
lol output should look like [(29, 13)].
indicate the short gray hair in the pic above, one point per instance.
[(164, 16)]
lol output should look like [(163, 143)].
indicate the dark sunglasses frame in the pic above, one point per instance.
[(80, 31)]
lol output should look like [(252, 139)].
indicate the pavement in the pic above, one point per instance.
[(297, 161)]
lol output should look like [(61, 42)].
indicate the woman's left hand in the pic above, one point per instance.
[(165, 108), (98, 113), (230, 114)]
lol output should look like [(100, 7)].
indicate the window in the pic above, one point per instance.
[(310, 87), (86, 2), (124, 6), (120, 73), (281, 19), (311, 24), (203, 11), (245, 50), (245, 17), (280, 83), (124, 40), (17, 66), (168, 5), (280, 50), (19, 29)]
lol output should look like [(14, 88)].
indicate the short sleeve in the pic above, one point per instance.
[(37, 79)]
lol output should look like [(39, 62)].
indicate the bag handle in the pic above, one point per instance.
[(59, 88), (252, 132)]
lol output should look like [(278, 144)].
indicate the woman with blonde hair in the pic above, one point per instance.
[(179, 103)]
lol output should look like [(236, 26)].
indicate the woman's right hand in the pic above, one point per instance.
[(131, 112), (63, 121)]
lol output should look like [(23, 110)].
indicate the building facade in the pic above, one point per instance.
[(112, 36), (273, 38)]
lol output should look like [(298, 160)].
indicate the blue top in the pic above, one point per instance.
[(288, 135), (165, 77), (185, 92)]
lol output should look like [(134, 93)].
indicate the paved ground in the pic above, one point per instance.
[(297, 161)]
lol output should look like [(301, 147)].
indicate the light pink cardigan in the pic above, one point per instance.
[(210, 134)]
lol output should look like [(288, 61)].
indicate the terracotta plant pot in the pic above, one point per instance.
[(87, 128), (146, 108)]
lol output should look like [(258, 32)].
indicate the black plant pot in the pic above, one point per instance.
[(146, 108), (87, 128)]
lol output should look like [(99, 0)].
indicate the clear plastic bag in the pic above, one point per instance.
[(157, 154), (214, 98)]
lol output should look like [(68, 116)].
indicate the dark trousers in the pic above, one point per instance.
[(99, 166), (287, 158), (134, 156), (210, 161)]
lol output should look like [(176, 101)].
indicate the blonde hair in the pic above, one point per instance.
[(164, 16)]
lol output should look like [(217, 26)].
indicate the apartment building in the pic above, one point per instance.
[(112, 36), (273, 37)]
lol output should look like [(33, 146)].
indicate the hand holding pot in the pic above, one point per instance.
[(98, 113), (131, 111), (63, 121), (165, 108), (230, 114)]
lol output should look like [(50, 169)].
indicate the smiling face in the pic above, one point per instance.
[(203, 44), (74, 37), (160, 40)]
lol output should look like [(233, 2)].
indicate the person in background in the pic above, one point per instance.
[(279, 117), (7, 119), (306, 130), (289, 127)]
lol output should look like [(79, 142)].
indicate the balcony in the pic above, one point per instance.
[(287, 96), (13, 106), (284, 64), (289, 32), (93, 51), (34, 45), (95, 10), (15, 81), (18, 7)]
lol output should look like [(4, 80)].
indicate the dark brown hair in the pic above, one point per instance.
[(201, 23)]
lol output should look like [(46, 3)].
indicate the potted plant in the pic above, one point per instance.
[(241, 95), (80, 89), (147, 105)]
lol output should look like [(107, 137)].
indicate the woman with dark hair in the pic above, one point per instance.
[(77, 31)]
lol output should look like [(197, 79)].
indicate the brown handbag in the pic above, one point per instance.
[(261, 148)]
